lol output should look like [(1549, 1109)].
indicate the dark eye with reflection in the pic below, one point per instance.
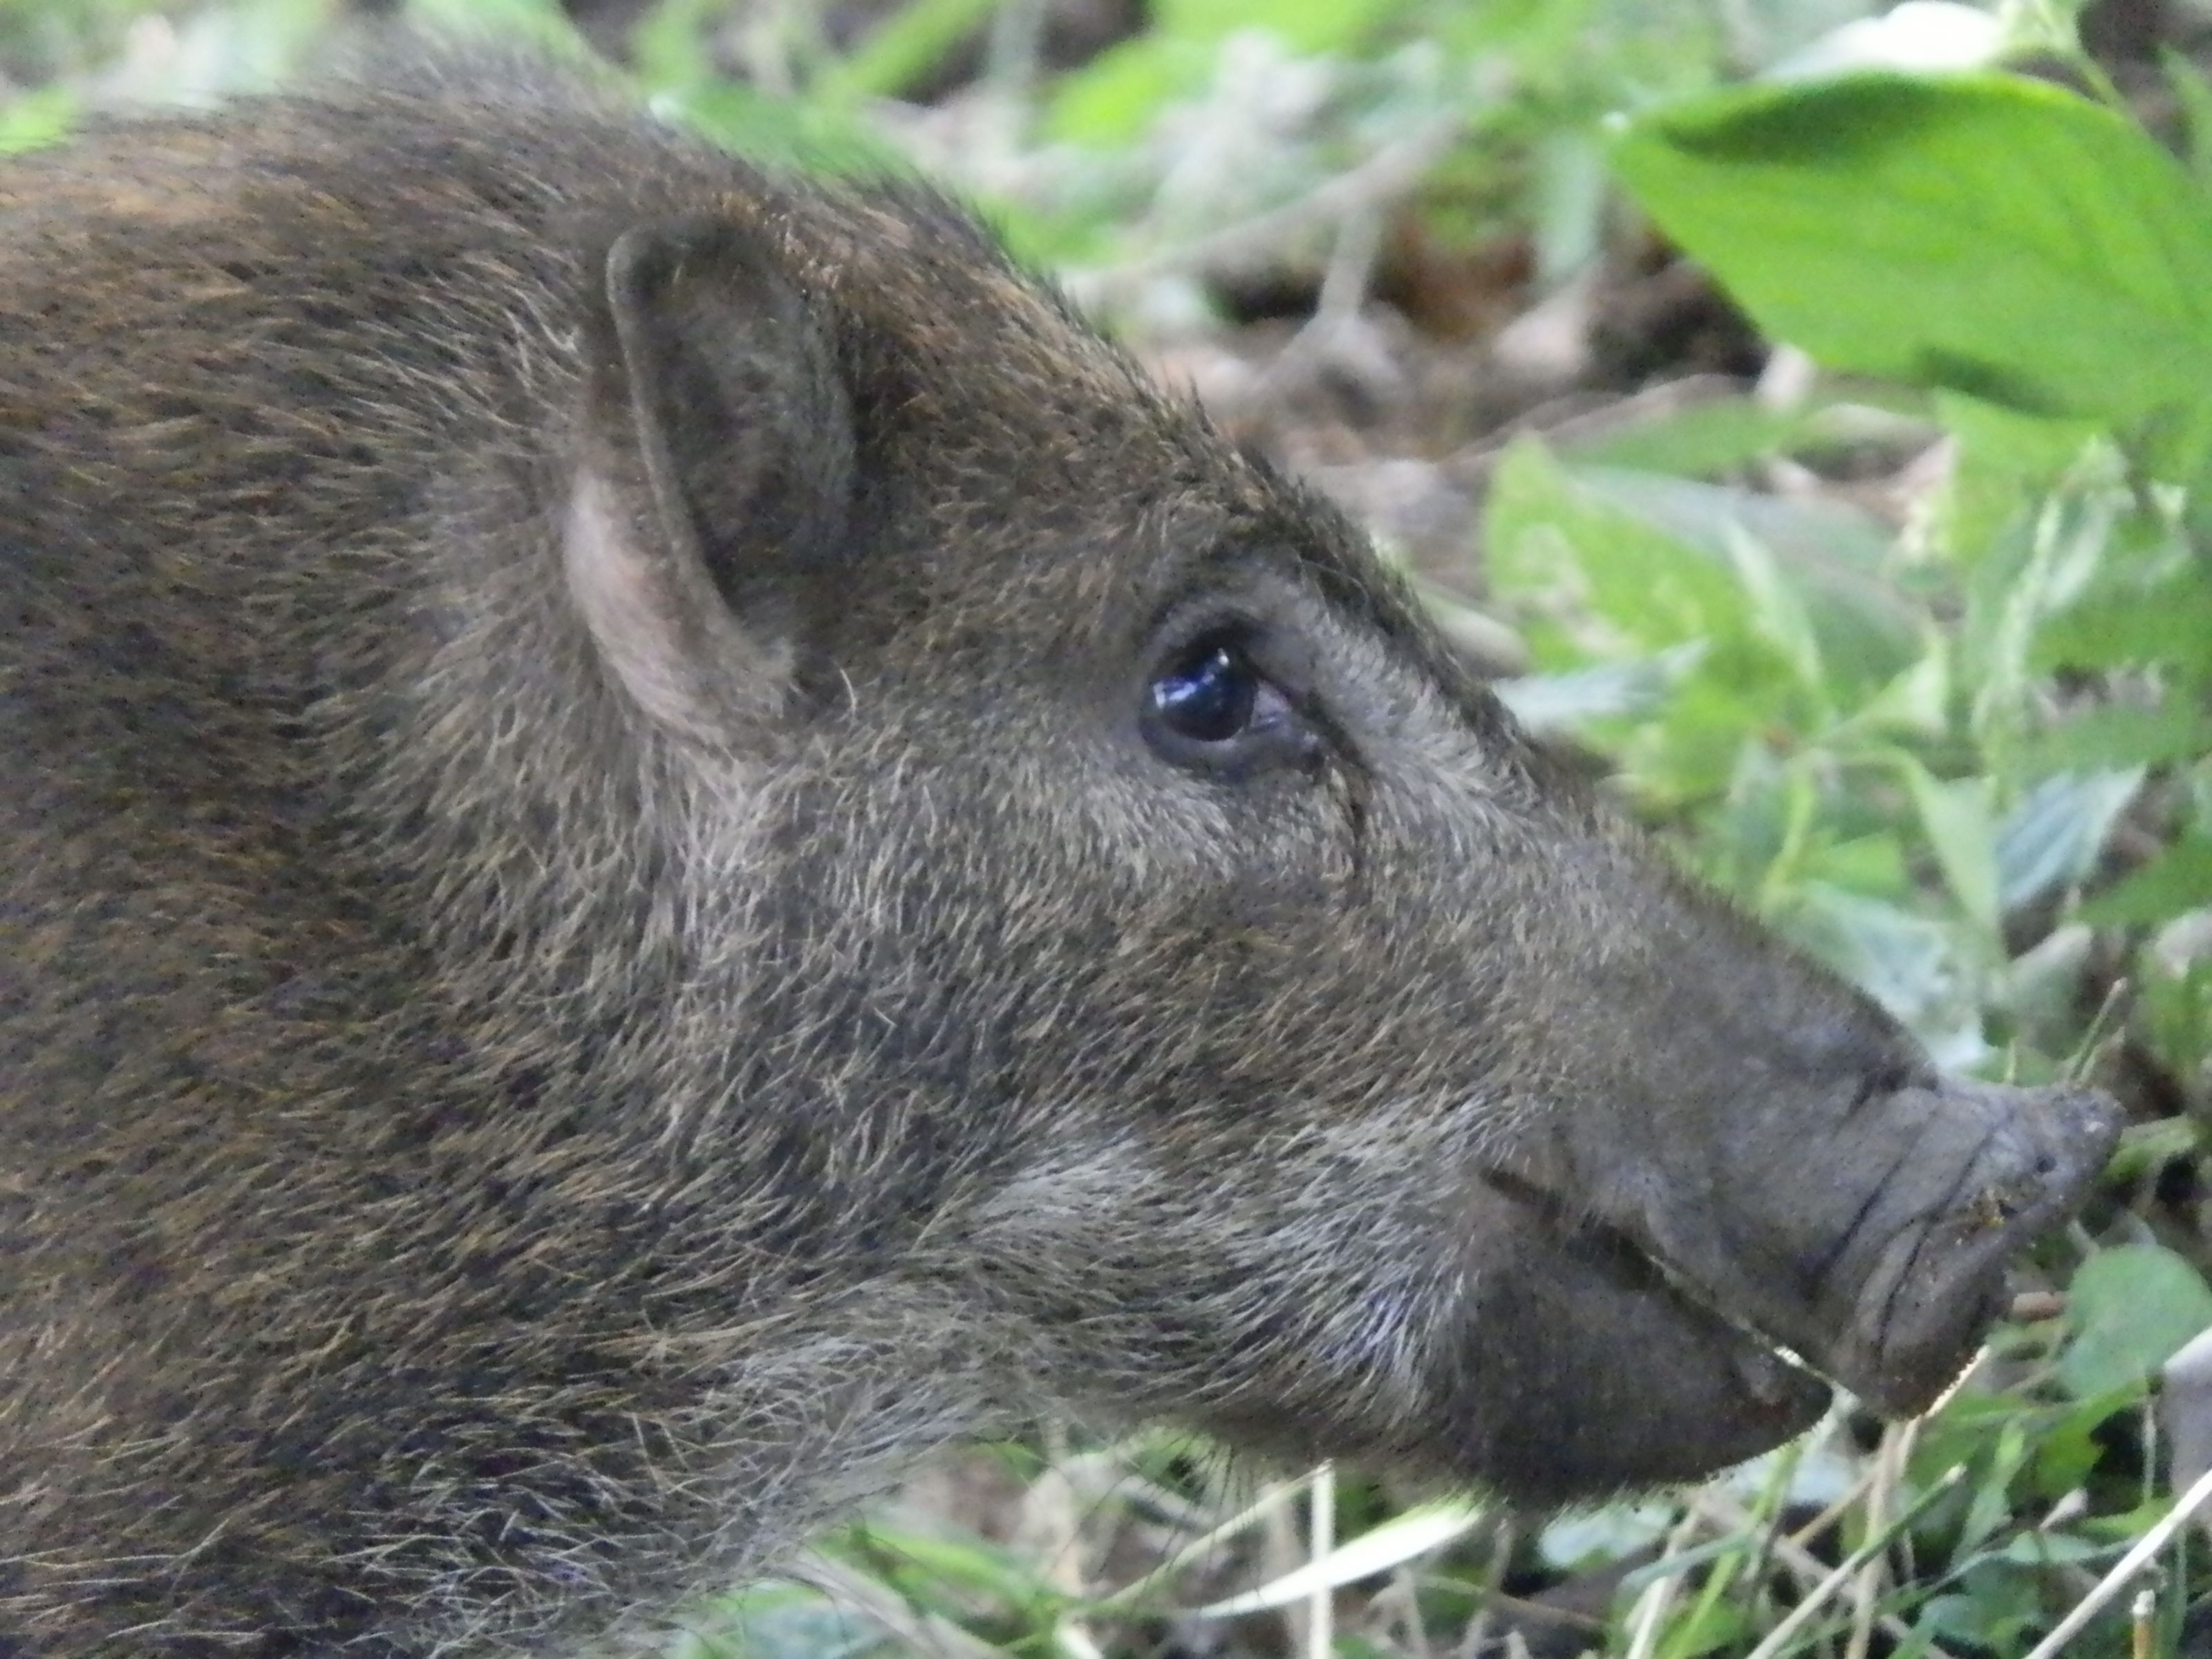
[(1210, 705), (1209, 694)]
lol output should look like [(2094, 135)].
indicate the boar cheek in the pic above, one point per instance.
[(1577, 1370)]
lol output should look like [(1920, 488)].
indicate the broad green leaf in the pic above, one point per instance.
[(2129, 1308), (2034, 1548), (2179, 878), (1555, 545), (1720, 434), (1918, 699), (2144, 1147), (2176, 1015), (1983, 233), (2003, 461), (2066, 1448), (1994, 1610), (1755, 841), (2165, 620), (1109, 100), (2054, 835), (1956, 816), (1739, 700), (1704, 439), (1534, 35), (1871, 866), (668, 47), (2119, 735), (1830, 556), (2070, 536), (1779, 609)]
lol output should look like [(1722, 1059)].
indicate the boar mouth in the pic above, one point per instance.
[(1771, 1369), (1582, 1367), (1878, 1257)]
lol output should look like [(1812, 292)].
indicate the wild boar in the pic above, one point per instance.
[(665, 840)]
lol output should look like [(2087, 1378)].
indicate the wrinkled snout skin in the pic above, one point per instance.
[(1787, 1154), (663, 842)]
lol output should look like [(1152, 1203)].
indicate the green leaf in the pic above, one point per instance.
[(1983, 233), (1303, 25), (2129, 1308), (2145, 1148), (1956, 816), (2066, 1446), (2003, 462), (1705, 437), (2167, 619), (2117, 735), (905, 46), (1556, 544), (1110, 100), (1872, 866), (1778, 611), (2055, 835), (1917, 701), (1992, 1507), (781, 1620), (668, 45), (1829, 555), (2179, 878)]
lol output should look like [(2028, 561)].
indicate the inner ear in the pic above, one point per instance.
[(710, 514)]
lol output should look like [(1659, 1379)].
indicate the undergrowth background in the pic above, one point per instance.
[(1868, 547)]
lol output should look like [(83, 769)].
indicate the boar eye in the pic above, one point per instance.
[(1208, 704)]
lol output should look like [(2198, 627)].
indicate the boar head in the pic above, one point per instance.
[(1276, 1037)]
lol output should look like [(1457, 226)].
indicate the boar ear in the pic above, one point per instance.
[(716, 476)]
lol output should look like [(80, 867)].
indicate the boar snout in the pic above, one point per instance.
[(1878, 1250), (1777, 1143), (1990, 1169)]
